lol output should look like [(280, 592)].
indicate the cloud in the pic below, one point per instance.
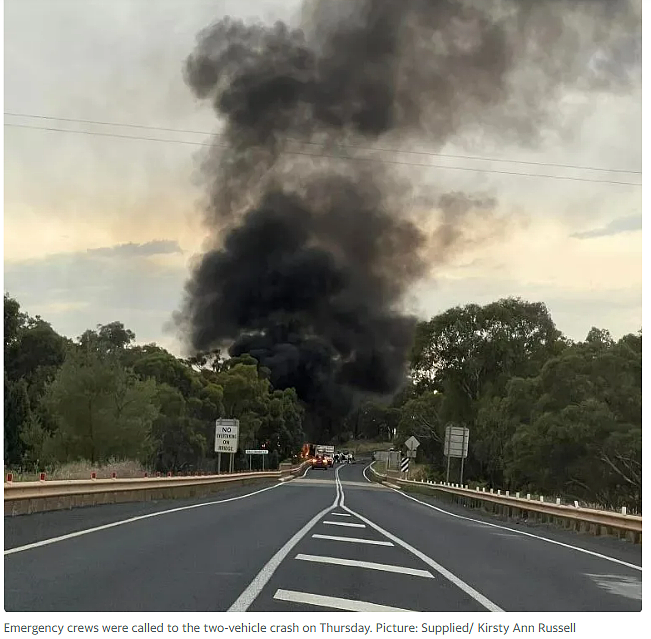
[(65, 307), (77, 291), (156, 247), (574, 311), (615, 227)]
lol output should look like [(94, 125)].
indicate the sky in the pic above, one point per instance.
[(101, 227)]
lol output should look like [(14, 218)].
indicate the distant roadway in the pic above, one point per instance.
[(331, 540)]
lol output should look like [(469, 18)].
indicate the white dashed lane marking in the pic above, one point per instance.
[(336, 603), (355, 540), (370, 565), (339, 603)]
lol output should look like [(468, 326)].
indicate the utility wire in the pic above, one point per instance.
[(334, 157), (351, 146)]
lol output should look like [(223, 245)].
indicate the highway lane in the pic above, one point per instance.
[(197, 559), (518, 572), (343, 563), (473, 565), (27, 529), (311, 544)]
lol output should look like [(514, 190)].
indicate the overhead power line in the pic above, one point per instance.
[(345, 146), (334, 157)]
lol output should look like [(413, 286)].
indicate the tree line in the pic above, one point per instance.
[(545, 413), (101, 398)]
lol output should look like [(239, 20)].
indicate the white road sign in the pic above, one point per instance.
[(456, 441), (227, 433), (256, 452), (412, 443)]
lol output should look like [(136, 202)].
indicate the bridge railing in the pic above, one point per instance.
[(597, 522), (37, 496)]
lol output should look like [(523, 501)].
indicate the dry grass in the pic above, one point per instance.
[(83, 469)]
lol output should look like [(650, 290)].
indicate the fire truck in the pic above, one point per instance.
[(318, 450), (328, 452)]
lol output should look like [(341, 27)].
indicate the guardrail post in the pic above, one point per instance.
[(10, 477), (42, 477), (623, 510), (528, 495), (558, 501), (576, 504), (507, 493), (517, 495), (114, 475), (499, 492), (542, 498), (93, 475), (491, 491)]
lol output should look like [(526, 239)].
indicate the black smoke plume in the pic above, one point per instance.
[(312, 256)]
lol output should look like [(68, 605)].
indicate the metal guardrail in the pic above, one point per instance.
[(34, 496), (627, 523)]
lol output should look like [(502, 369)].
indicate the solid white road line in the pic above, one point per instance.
[(340, 514), (79, 533), (522, 532), (344, 523), (401, 570), (337, 603), (249, 595), (354, 540), (341, 489), (469, 590), (462, 585), (306, 471), (364, 473)]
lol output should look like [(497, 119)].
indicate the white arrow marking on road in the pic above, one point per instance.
[(355, 540), (401, 570), (340, 514), (344, 523), (337, 603)]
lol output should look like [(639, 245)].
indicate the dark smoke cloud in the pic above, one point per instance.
[(312, 256)]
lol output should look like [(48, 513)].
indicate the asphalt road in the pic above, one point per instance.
[(329, 541)]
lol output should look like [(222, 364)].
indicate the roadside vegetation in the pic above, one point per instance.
[(545, 414), (101, 400)]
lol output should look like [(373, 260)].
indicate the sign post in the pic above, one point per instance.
[(411, 444), (456, 445), (262, 452), (227, 435), (465, 449)]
